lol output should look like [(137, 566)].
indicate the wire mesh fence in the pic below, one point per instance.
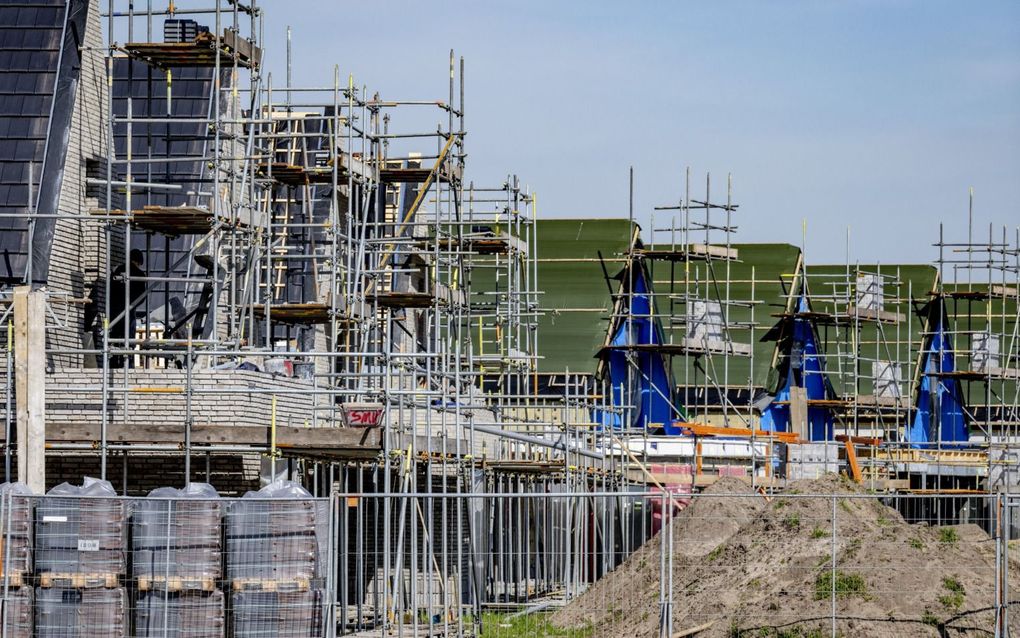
[(82, 561), (729, 561)]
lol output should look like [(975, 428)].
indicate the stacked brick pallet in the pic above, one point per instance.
[(176, 544), (16, 558), (273, 563), (75, 550), (80, 558), (18, 623)]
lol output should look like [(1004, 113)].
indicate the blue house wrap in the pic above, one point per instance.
[(641, 376), (805, 367), (939, 413)]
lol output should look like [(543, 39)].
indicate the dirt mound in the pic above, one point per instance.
[(714, 516), (706, 524), (757, 568)]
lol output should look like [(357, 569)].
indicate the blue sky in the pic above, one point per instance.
[(876, 115)]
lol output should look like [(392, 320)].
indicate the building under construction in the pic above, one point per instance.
[(214, 276)]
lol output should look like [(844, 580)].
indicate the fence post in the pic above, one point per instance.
[(1007, 526), (1001, 530), (669, 566), (5, 525), (997, 535), (832, 574), (169, 557), (332, 564), (663, 550)]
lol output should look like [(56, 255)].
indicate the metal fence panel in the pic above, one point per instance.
[(725, 562)]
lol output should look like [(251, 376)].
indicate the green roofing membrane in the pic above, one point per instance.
[(906, 289), (577, 305), (575, 296), (756, 292), (969, 316)]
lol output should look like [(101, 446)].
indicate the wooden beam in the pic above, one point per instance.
[(321, 440), (413, 210), (694, 630), (799, 412), (30, 385), (860, 440), (699, 429), (851, 457)]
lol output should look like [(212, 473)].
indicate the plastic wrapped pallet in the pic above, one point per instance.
[(16, 531), (18, 622), (274, 535), (179, 615), (296, 614), (81, 530), (80, 613), (176, 538)]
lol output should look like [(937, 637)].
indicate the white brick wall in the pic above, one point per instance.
[(233, 397), (78, 249)]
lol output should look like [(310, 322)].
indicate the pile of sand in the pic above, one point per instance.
[(756, 568)]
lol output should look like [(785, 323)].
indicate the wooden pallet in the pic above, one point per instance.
[(496, 245), (271, 584), (78, 581), (416, 175), (297, 313), (169, 220), (176, 583), (14, 579), (294, 175), (403, 299), (693, 252), (200, 52)]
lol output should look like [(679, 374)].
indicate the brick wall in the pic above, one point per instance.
[(78, 250), (230, 474), (228, 397)]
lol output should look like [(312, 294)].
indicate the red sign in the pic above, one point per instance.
[(362, 415)]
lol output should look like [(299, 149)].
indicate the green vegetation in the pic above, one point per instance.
[(953, 600), (715, 553), (948, 536), (916, 543), (530, 626), (847, 585), (818, 532), (792, 521), (930, 619), (844, 505), (952, 584)]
